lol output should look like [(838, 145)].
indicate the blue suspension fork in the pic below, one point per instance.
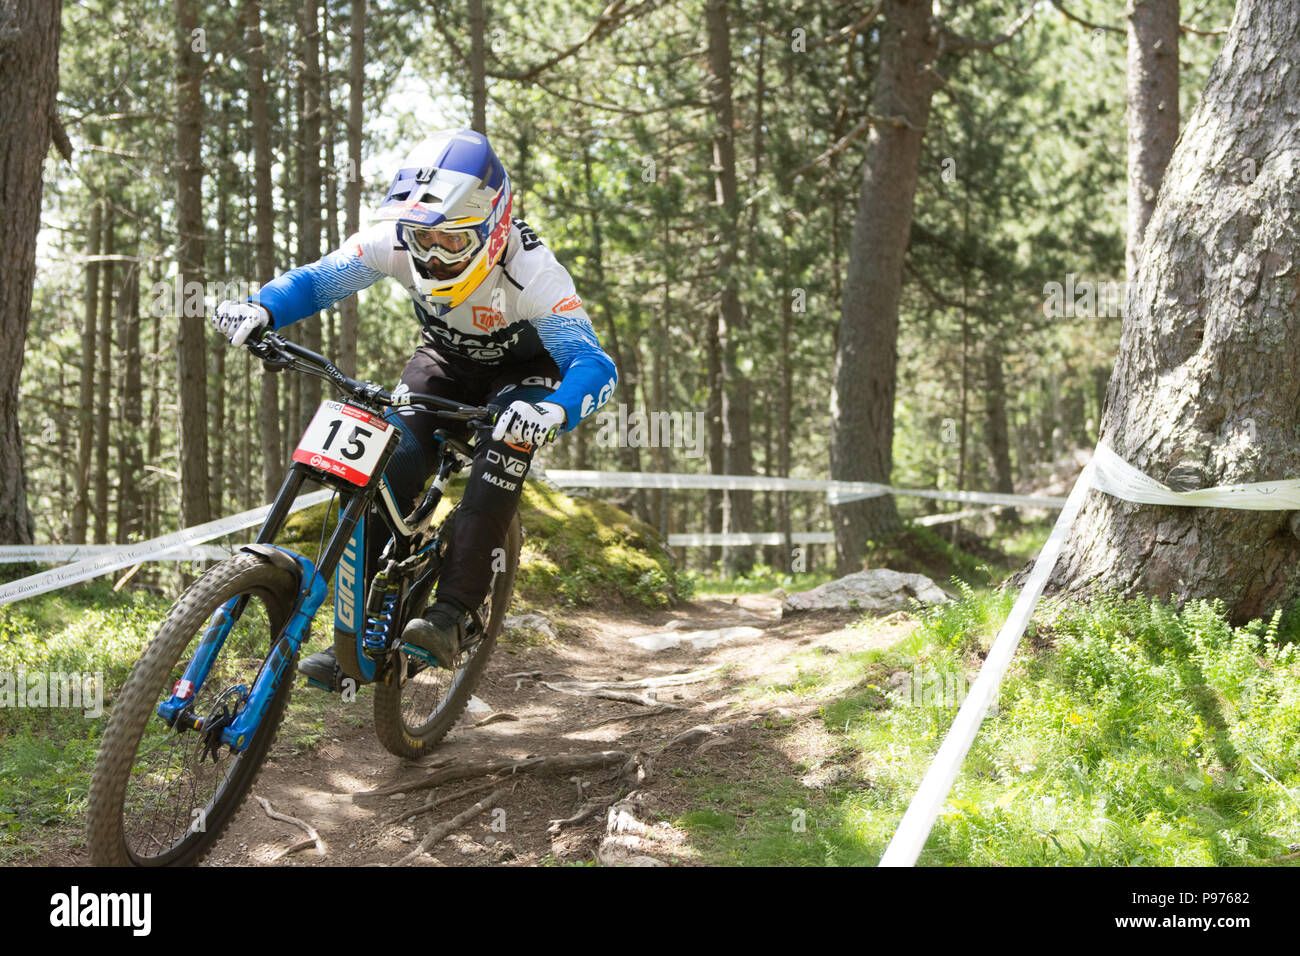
[(311, 594)]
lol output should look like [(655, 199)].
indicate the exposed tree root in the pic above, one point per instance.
[(313, 838), (442, 830)]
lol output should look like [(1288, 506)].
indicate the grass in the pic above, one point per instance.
[(46, 753), (1127, 733)]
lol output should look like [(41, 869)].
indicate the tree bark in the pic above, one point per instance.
[(1206, 376), (192, 357), (478, 64), (130, 518), (995, 424), (310, 233), (104, 380), (29, 84), (349, 315), (738, 454), (86, 391), (1152, 111), (866, 357), (264, 217)]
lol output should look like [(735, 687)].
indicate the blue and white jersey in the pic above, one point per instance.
[(527, 305)]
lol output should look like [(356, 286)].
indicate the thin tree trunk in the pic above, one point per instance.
[(217, 437), (1206, 380), (192, 358), (86, 391), (130, 462), (104, 382), (733, 324), (995, 423), (478, 64), (259, 116), (1152, 111), (309, 237), (349, 316)]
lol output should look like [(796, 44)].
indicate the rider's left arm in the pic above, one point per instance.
[(588, 374)]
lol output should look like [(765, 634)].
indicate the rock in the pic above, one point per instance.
[(524, 627), (477, 708), (694, 640), (874, 592)]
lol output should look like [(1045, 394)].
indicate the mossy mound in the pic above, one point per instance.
[(576, 552)]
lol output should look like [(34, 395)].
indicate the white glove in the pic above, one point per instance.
[(237, 320), (529, 424)]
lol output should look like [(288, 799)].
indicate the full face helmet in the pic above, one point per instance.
[(451, 201)]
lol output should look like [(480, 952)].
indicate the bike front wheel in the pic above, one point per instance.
[(415, 704), (162, 795)]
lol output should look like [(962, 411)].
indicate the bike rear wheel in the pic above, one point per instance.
[(416, 705), (155, 797)]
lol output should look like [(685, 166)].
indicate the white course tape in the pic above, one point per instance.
[(710, 540), (1117, 477), (914, 829), (839, 497), (63, 553), (838, 491), (665, 479), (131, 554)]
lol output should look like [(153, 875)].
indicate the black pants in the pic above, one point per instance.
[(496, 478)]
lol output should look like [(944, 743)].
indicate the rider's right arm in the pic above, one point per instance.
[(314, 287)]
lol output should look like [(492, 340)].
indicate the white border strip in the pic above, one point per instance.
[(63, 553), (839, 491), (133, 554), (710, 540)]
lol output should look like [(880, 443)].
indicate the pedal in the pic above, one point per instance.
[(313, 682), (420, 654)]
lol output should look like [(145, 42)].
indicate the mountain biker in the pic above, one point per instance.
[(502, 322)]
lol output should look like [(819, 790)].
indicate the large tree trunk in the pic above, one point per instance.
[(1206, 375), (738, 458), (29, 82), (866, 357), (192, 358), (1152, 110)]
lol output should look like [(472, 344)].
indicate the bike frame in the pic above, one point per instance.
[(411, 536)]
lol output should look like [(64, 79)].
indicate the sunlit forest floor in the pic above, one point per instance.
[(1126, 734)]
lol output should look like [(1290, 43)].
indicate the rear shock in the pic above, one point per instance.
[(379, 617)]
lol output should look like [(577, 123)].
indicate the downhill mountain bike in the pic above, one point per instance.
[(197, 715)]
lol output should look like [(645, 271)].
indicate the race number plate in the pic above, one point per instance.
[(345, 441)]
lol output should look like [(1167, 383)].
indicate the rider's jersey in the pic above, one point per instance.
[(527, 305)]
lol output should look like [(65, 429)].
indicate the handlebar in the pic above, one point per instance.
[(277, 353)]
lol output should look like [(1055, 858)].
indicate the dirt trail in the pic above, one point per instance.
[(321, 785)]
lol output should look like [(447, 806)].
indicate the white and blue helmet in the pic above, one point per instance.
[(451, 201)]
